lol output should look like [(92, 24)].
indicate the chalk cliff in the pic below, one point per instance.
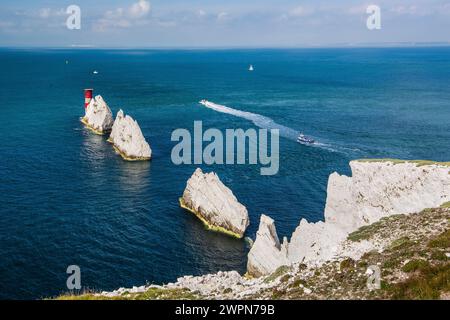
[(98, 116), (215, 204), (128, 140), (370, 224), (377, 189)]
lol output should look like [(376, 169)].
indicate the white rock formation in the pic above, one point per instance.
[(98, 116), (212, 202), (376, 189), (267, 254), (382, 188), (128, 140)]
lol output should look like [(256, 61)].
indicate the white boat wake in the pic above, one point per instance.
[(259, 120), (267, 123), (263, 122)]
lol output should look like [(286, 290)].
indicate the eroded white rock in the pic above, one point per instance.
[(128, 140), (215, 204), (98, 116), (266, 254), (376, 189), (384, 188)]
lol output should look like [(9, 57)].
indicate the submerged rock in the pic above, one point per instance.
[(98, 117), (377, 189), (213, 203), (128, 140)]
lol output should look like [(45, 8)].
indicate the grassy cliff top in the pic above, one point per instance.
[(419, 163)]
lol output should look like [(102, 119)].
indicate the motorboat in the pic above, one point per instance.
[(304, 139)]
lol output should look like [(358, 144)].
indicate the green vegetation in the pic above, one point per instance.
[(278, 294), (297, 282), (419, 163), (278, 273), (428, 278), (367, 232), (285, 278), (415, 265), (443, 241), (347, 264), (150, 294), (438, 255), (429, 283), (167, 294), (227, 291), (446, 205), (401, 243), (364, 232)]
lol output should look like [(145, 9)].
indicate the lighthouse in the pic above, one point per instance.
[(87, 97)]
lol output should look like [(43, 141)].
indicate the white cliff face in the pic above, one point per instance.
[(380, 189), (98, 116), (208, 198), (376, 189), (267, 254), (127, 137)]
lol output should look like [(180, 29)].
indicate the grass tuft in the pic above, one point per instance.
[(278, 273)]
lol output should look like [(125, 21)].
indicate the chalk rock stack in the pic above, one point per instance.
[(128, 140), (267, 253), (98, 116), (214, 204), (377, 189)]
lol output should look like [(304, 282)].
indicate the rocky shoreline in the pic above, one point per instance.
[(378, 217), (414, 264)]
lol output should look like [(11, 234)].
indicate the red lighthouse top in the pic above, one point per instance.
[(88, 96)]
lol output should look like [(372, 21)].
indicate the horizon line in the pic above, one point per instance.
[(231, 47)]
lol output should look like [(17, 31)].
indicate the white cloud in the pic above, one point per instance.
[(301, 11), (222, 16), (46, 13), (358, 10), (410, 10), (140, 9), (124, 18)]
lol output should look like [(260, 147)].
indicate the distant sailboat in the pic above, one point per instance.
[(251, 68)]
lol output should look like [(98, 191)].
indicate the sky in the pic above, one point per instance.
[(221, 23)]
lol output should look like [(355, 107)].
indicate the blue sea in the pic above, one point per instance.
[(68, 199)]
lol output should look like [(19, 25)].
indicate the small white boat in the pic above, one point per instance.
[(251, 68), (95, 72), (304, 139)]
